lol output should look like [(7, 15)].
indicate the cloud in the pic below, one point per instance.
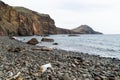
[(84, 6)]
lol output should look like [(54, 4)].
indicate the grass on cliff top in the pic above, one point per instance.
[(22, 9), (25, 10)]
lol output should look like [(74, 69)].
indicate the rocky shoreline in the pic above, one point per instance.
[(20, 61)]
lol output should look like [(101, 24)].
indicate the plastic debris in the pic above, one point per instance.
[(10, 73), (43, 68)]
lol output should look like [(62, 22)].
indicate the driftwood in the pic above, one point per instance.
[(14, 77), (43, 48)]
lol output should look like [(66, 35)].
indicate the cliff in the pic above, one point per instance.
[(24, 22), (85, 29)]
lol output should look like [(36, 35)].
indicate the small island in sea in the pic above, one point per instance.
[(21, 60)]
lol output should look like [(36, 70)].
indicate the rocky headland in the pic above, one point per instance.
[(85, 29)]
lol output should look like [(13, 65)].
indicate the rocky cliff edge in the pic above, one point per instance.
[(24, 22)]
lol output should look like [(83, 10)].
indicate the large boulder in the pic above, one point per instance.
[(33, 41), (47, 40)]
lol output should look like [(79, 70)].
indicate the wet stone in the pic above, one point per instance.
[(97, 78), (73, 65), (103, 77), (1, 73), (65, 77)]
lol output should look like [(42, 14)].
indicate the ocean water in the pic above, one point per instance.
[(103, 45)]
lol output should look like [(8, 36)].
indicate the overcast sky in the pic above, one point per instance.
[(101, 15)]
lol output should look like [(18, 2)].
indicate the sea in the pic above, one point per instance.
[(103, 45)]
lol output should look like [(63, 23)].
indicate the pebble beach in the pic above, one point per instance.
[(21, 61)]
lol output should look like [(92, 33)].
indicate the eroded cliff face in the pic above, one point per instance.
[(24, 22)]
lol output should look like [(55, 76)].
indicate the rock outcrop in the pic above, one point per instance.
[(33, 41), (85, 29), (47, 40), (24, 22)]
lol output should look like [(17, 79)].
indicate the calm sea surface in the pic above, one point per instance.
[(103, 45)]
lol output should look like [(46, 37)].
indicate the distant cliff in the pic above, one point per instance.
[(24, 22), (85, 29)]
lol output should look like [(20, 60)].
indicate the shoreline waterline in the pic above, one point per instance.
[(103, 45)]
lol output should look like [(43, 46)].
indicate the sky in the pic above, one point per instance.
[(101, 15)]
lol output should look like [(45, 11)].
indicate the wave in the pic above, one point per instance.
[(100, 45), (101, 48)]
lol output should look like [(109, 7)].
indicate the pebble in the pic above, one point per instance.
[(1, 73), (97, 78), (66, 65), (65, 77), (10, 74), (73, 65)]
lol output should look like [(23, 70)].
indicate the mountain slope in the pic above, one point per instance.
[(85, 29)]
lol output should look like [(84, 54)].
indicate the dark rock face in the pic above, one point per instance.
[(47, 40), (33, 41), (24, 22), (55, 43), (0, 19), (73, 35), (85, 29)]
